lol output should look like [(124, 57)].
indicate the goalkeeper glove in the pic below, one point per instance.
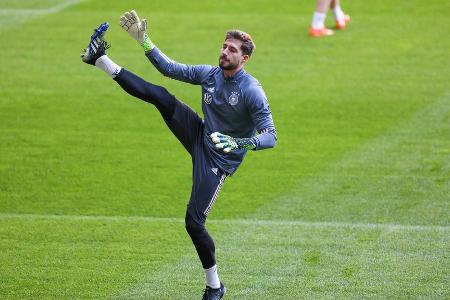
[(131, 23), (228, 143)]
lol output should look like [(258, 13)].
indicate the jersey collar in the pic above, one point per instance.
[(236, 76)]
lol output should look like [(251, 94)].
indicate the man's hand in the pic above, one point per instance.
[(228, 143), (131, 23)]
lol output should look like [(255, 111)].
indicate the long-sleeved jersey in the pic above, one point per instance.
[(236, 106)]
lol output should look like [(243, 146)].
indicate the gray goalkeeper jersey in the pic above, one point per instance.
[(236, 106)]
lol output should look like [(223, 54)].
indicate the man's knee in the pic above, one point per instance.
[(193, 227)]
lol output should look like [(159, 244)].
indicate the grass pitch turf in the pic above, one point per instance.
[(352, 203)]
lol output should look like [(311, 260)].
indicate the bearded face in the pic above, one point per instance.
[(231, 56), (226, 64)]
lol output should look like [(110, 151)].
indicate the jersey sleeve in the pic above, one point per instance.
[(261, 115), (193, 74)]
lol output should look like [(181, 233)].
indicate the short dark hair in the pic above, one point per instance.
[(247, 46)]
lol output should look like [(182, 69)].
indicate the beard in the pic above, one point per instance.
[(226, 65)]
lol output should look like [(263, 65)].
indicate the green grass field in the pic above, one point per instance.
[(353, 203)]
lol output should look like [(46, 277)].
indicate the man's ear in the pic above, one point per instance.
[(245, 58)]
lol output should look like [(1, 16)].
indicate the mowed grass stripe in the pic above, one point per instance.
[(269, 260), (236, 222), (118, 257), (335, 263), (401, 176)]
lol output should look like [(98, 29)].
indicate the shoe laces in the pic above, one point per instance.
[(100, 38), (102, 44), (106, 45)]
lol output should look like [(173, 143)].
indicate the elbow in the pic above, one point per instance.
[(267, 143), (270, 140)]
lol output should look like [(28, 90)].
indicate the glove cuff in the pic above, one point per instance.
[(147, 44), (246, 143)]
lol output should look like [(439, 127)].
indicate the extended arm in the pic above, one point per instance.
[(193, 74), (137, 29)]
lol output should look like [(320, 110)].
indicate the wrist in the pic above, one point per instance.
[(246, 143), (147, 44)]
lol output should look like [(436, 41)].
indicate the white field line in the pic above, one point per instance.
[(40, 11), (249, 222), (15, 16)]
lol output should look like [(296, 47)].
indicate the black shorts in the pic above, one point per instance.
[(207, 179)]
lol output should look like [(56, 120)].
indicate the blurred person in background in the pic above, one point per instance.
[(318, 28)]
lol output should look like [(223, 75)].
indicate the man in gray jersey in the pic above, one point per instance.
[(236, 119)]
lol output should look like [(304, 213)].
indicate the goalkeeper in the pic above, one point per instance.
[(236, 113)]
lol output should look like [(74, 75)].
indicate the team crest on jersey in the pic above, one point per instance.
[(234, 98), (210, 89), (207, 98)]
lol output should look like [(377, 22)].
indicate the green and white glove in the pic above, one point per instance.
[(131, 23), (228, 143)]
